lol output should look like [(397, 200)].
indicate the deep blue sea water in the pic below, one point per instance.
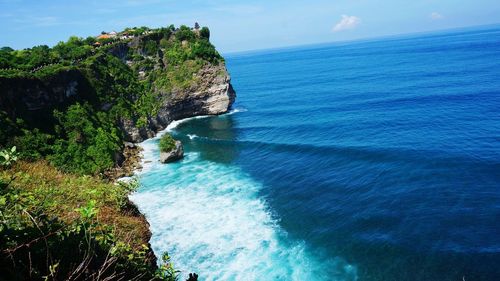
[(373, 160)]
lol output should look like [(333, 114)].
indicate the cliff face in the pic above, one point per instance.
[(73, 108), (213, 95), (34, 99)]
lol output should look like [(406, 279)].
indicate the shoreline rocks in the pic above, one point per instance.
[(130, 162)]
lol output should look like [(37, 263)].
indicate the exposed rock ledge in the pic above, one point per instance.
[(213, 95)]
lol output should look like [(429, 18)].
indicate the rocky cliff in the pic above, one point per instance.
[(212, 95), (34, 100), (77, 106), (206, 89)]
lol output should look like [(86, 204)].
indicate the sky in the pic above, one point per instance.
[(240, 25)]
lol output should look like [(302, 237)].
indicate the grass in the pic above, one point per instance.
[(62, 194), (55, 226)]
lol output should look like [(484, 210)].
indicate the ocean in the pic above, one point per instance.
[(363, 160)]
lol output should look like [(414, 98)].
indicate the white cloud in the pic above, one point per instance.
[(436, 16), (347, 22)]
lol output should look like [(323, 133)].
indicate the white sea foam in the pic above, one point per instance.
[(209, 218), (236, 110), (192, 136), (150, 146)]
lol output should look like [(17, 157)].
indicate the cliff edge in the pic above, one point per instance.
[(212, 94), (72, 112), (85, 98)]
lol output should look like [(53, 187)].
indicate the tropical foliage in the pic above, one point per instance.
[(167, 143), (59, 219), (56, 226), (8, 156), (84, 137)]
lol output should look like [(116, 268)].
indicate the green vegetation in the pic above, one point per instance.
[(88, 145), (205, 33), (82, 137), (56, 226), (167, 143), (8, 156), (59, 218), (136, 31), (28, 59)]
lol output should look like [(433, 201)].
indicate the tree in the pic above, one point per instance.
[(6, 57), (185, 33), (205, 33), (8, 128), (74, 48), (39, 55), (164, 43), (33, 144), (89, 144), (89, 40), (204, 50), (150, 48), (165, 33), (6, 49)]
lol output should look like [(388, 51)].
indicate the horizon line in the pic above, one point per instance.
[(357, 40)]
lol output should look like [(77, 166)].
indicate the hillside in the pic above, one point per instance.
[(72, 112), (78, 101)]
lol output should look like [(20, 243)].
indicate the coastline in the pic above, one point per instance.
[(136, 160), (69, 98), (136, 164), (322, 179), (131, 161), (210, 220)]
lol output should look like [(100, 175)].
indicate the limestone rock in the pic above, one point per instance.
[(212, 95)]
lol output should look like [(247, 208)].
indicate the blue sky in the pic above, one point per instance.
[(240, 25)]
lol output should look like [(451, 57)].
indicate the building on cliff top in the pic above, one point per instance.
[(106, 35)]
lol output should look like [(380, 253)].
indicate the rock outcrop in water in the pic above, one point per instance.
[(173, 155), (80, 106)]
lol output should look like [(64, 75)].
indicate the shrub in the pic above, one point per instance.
[(7, 128), (33, 144), (206, 51), (167, 143), (185, 33), (57, 226), (150, 48), (8, 156), (88, 144), (205, 33)]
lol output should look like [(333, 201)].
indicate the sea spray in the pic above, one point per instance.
[(382, 152), (209, 218)]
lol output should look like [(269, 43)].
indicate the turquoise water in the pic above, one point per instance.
[(374, 160)]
